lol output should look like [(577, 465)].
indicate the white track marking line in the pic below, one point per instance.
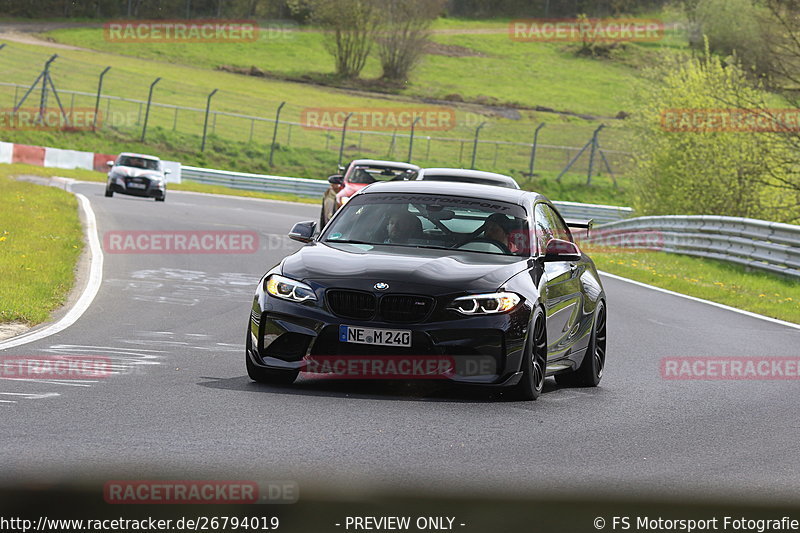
[(89, 292), (695, 299)]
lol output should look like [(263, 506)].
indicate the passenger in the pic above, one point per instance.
[(401, 227)]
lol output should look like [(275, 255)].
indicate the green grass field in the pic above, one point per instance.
[(523, 74), (725, 283), (40, 242)]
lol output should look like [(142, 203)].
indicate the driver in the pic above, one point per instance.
[(494, 228)]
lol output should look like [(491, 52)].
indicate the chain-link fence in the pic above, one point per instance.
[(498, 139)]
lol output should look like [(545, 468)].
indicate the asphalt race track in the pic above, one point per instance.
[(180, 402)]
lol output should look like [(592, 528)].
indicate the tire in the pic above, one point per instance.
[(590, 372), (534, 362), (109, 193), (161, 198), (264, 375)]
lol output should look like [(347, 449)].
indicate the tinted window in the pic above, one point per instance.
[(548, 225), (432, 221), (363, 174)]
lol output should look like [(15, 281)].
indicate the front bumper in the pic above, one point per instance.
[(482, 349), (132, 186)]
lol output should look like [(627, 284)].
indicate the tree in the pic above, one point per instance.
[(684, 167), (351, 27), (404, 34)]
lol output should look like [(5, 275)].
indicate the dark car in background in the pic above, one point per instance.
[(137, 175), (462, 175), (355, 176), (486, 277)]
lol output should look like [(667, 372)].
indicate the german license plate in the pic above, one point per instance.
[(134, 185), (379, 337)]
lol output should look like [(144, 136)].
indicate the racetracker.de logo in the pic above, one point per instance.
[(49, 119), (730, 368), (598, 31), (180, 31), (379, 118), (736, 120), (54, 367), (180, 242), (199, 492), (382, 367)]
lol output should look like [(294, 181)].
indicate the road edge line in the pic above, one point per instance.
[(89, 292), (701, 300)]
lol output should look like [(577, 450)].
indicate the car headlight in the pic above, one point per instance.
[(345, 199), (485, 304), (288, 289)]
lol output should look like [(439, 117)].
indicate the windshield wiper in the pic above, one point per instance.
[(351, 241)]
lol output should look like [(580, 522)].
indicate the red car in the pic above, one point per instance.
[(357, 175)]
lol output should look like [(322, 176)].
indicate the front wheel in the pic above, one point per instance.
[(590, 372), (109, 193), (534, 363)]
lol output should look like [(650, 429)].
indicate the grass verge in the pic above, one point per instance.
[(41, 239), (717, 281)]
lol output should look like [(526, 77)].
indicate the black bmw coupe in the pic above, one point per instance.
[(416, 280)]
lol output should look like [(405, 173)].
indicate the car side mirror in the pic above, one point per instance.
[(561, 250), (303, 231), (109, 164), (167, 171)]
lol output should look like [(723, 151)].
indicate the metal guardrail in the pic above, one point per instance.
[(315, 188), (771, 246)]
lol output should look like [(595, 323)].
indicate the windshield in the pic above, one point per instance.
[(370, 174), (432, 221), (138, 162)]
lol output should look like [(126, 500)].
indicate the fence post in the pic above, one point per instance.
[(275, 132), (205, 121), (533, 148), (593, 152), (411, 139), (344, 132), (147, 112), (475, 144), (97, 101)]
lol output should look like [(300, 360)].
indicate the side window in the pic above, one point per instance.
[(541, 227), (560, 229), (548, 225)]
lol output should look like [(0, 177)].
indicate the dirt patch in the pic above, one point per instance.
[(452, 50), (12, 329)]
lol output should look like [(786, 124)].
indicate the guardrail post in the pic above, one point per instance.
[(275, 131), (97, 101), (147, 112), (344, 132), (533, 147), (475, 144), (205, 121), (411, 139)]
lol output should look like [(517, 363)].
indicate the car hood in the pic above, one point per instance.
[(133, 172), (355, 265)]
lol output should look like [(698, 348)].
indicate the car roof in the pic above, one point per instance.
[(143, 156), (473, 190), (382, 163), (467, 173)]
